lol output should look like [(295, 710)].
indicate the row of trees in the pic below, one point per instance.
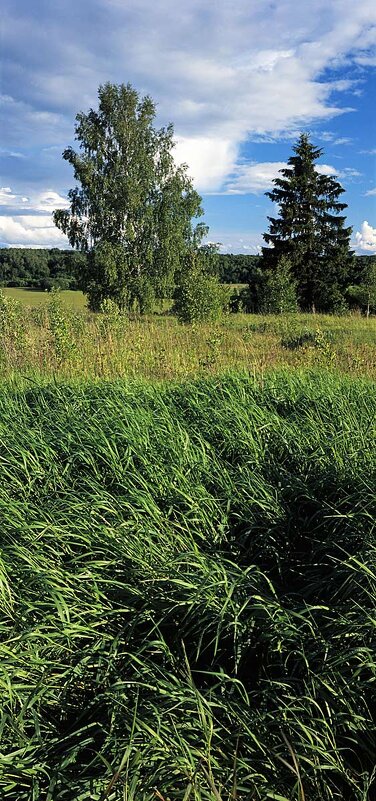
[(40, 268), (134, 213), (47, 269)]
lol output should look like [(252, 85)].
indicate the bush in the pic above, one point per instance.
[(200, 297), (243, 301), (279, 292)]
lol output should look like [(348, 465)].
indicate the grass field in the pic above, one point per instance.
[(187, 590), (187, 556), (35, 299), (56, 339)]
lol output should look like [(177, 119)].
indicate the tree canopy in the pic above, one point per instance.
[(310, 229), (133, 202)]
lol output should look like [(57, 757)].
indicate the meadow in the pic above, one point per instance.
[(34, 298), (187, 561), (58, 337)]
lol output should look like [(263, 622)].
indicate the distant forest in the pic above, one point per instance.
[(40, 268), (46, 269)]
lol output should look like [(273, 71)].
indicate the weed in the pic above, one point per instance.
[(59, 324), (213, 345), (56, 339)]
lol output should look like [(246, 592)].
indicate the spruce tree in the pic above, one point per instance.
[(310, 230)]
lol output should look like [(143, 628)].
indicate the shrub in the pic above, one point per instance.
[(279, 291), (199, 297)]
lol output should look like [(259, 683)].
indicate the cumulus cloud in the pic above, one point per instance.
[(257, 177), (326, 169), (45, 201), (208, 159), (32, 230), (366, 238), (48, 201), (370, 192), (9, 198), (223, 72), (346, 172), (254, 178)]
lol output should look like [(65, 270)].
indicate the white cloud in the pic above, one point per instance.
[(31, 231), (48, 201), (370, 192), (343, 140), (223, 72), (238, 241), (326, 169), (209, 159), (11, 153), (349, 172), (254, 178), (45, 201), (257, 177), (8, 198), (346, 172), (366, 238), (366, 61)]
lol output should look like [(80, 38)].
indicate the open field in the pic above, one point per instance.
[(187, 564), (35, 298), (187, 590), (55, 340)]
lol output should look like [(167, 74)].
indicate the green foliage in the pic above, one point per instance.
[(187, 590), (365, 293), (40, 269), (321, 341), (310, 230), (106, 276), (237, 268), (11, 315), (199, 296), (12, 328), (60, 326), (279, 290), (114, 344), (131, 198)]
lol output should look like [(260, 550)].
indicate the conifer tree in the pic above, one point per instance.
[(310, 230)]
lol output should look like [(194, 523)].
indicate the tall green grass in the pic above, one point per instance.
[(73, 343), (188, 590)]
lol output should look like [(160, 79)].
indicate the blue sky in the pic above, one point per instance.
[(238, 79)]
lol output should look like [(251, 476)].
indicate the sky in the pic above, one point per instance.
[(239, 79)]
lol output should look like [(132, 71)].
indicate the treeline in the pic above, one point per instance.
[(45, 269), (48, 269), (360, 291), (236, 268), (40, 268)]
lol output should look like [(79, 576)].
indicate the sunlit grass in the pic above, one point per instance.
[(55, 339), (35, 298), (187, 589)]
